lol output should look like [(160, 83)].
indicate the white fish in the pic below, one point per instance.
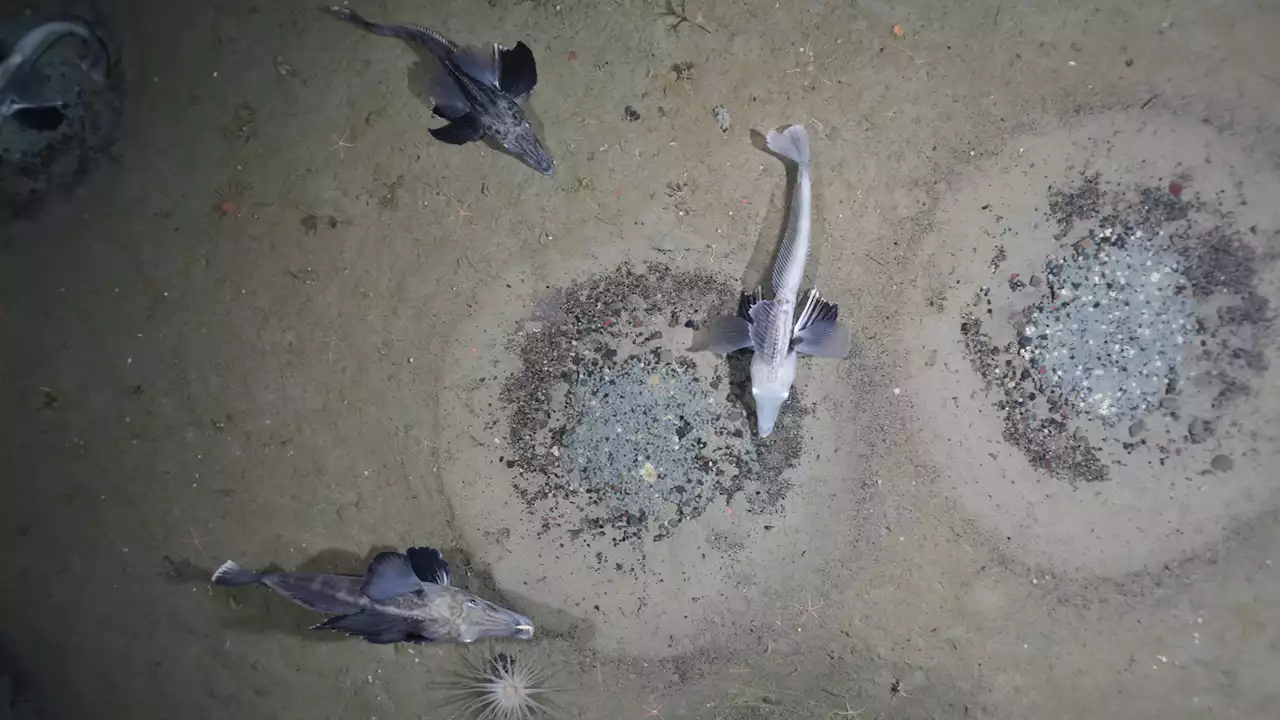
[(770, 327)]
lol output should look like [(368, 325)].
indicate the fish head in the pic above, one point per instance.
[(523, 142), (770, 387), (477, 618)]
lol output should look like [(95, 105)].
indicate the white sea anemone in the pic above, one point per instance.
[(503, 686)]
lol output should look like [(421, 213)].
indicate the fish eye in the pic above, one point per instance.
[(473, 603)]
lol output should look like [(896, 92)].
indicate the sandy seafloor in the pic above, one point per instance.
[(239, 338)]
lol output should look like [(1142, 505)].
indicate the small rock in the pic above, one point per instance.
[(1036, 281), (931, 359), (722, 118), (1136, 429), (630, 114), (1169, 402), (1195, 428), (1222, 463), (1079, 434), (666, 356), (691, 324)]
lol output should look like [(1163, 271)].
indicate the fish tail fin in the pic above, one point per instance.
[(430, 39), (792, 143), (352, 17), (231, 574)]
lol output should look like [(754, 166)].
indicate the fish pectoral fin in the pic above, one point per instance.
[(460, 131), (447, 100), (479, 63), (429, 565), (517, 71), (729, 334), (39, 119), (819, 332), (374, 626), (390, 575)]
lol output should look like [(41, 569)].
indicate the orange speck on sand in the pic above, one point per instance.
[(572, 56), (898, 31)]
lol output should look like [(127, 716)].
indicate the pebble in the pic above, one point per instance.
[(1169, 402), (1222, 463), (1036, 281), (666, 356), (1136, 429), (722, 118), (1195, 428)]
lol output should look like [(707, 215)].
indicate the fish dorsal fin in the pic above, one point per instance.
[(517, 70), (479, 63), (390, 575), (429, 565), (763, 316)]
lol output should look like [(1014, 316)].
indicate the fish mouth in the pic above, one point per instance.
[(524, 632)]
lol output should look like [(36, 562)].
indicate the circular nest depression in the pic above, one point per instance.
[(1145, 331), (37, 165), (625, 435)]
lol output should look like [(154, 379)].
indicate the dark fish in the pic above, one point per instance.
[(402, 598), (479, 92), (24, 91)]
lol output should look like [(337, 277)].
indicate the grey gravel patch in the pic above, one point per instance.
[(621, 435), (1110, 333), (1153, 308), (38, 166)]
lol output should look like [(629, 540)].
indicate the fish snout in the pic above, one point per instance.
[(768, 405)]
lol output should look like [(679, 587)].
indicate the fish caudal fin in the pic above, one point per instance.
[(230, 574), (792, 143), (375, 627)]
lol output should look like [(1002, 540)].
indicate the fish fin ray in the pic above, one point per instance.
[(374, 626), (818, 331), (231, 574), (480, 64), (390, 575), (729, 334), (460, 131), (447, 99), (518, 71), (429, 565), (763, 315)]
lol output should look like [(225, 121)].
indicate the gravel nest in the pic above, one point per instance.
[(35, 166), (616, 435), (1159, 289)]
